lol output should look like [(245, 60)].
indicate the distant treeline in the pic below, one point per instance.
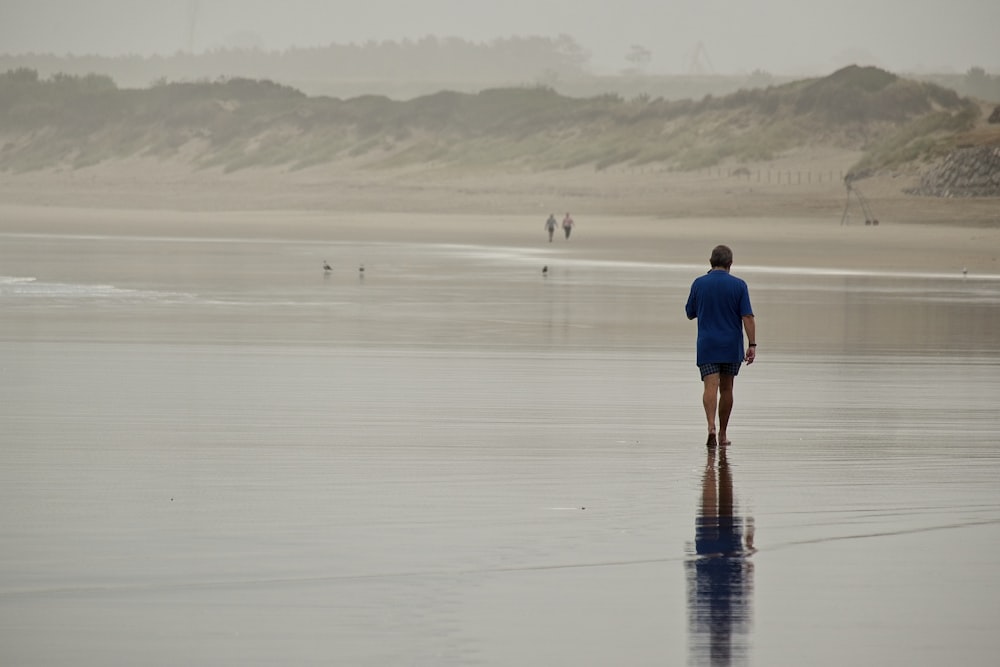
[(508, 61), (976, 82), (408, 69)]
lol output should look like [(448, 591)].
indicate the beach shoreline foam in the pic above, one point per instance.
[(785, 243)]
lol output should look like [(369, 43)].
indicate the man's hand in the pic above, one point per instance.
[(751, 354)]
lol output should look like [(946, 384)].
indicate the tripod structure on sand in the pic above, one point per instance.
[(870, 218)]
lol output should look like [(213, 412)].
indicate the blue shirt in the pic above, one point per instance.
[(719, 301)]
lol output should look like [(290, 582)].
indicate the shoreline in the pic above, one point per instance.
[(819, 243)]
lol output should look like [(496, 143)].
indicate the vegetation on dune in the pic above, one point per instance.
[(916, 141), (235, 124)]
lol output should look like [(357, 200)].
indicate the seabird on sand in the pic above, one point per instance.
[(326, 266)]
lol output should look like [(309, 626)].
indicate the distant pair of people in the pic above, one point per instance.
[(550, 225)]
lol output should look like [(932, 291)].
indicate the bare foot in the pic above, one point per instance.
[(724, 441), (711, 441)]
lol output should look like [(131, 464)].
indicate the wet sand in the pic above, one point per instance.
[(215, 453), (800, 242)]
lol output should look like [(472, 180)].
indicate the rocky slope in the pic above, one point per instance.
[(966, 172)]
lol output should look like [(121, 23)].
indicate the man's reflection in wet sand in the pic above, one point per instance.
[(720, 574)]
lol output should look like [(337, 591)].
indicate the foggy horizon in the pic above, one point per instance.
[(712, 36)]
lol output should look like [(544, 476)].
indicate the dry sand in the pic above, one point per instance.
[(784, 213)]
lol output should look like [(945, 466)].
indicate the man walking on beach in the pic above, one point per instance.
[(721, 303)]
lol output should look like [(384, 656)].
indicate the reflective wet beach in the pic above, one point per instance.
[(212, 452)]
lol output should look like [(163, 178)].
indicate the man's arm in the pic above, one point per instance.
[(750, 325)]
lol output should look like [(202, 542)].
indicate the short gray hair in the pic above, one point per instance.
[(722, 257)]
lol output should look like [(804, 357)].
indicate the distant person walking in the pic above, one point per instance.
[(721, 304), (550, 225), (567, 225)]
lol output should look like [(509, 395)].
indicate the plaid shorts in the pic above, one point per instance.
[(722, 369)]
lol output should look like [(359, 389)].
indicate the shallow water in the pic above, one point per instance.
[(212, 452)]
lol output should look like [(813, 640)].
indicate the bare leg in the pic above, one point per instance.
[(710, 399), (725, 406)]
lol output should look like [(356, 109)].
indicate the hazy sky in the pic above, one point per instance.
[(780, 36)]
